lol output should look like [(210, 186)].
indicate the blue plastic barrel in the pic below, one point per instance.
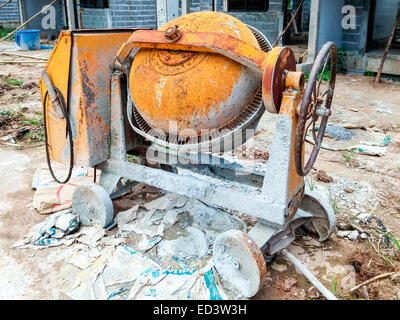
[(28, 39)]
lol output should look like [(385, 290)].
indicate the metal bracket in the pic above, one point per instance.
[(284, 237), (52, 94)]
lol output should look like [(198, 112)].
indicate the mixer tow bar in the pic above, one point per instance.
[(212, 77)]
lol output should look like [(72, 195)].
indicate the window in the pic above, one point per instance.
[(93, 4), (248, 5)]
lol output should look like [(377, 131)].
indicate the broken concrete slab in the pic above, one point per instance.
[(350, 234), (191, 246)]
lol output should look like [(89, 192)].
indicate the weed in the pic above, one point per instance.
[(15, 114), (14, 82), (37, 132), (310, 184), (6, 31), (386, 262), (134, 159), (37, 121), (391, 237), (341, 66), (348, 155), (355, 216), (12, 115), (333, 203), (325, 78), (333, 285), (35, 136), (370, 74)]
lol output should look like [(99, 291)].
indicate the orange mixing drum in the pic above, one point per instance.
[(193, 91)]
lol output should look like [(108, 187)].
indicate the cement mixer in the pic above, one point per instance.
[(179, 98)]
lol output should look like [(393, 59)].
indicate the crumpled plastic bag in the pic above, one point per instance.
[(52, 231)]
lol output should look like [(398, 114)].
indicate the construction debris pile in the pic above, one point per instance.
[(156, 250)]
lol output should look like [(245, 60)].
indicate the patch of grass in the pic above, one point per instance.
[(391, 237), (333, 285), (386, 261), (6, 31), (370, 74), (15, 114), (14, 82), (8, 117), (134, 159), (12, 115), (355, 216), (333, 203), (310, 184), (36, 121), (341, 67), (325, 77), (35, 136), (348, 155)]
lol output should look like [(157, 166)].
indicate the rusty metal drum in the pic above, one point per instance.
[(193, 92)]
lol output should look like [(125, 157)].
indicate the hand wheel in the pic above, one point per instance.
[(316, 104)]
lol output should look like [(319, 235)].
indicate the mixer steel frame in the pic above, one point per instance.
[(273, 196), (272, 204), (276, 195)]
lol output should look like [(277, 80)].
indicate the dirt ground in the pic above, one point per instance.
[(356, 184)]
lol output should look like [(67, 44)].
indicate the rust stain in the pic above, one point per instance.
[(87, 56), (290, 100)]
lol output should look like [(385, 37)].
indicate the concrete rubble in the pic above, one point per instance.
[(159, 250), (357, 140)]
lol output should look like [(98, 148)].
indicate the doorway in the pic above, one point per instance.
[(381, 20)]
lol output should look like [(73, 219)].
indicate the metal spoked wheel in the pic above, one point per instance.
[(93, 205), (316, 105), (323, 221), (239, 262)]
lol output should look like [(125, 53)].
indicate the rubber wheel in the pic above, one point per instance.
[(239, 261), (93, 205), (323, 221)]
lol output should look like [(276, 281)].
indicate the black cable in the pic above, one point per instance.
[(69, 133)]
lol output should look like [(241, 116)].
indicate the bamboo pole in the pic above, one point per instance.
[(378, 76), (19, 61), (381, 276), (4, 4), (316, 283), (302, 56), (22, 56), (288, 25), (27, 21)]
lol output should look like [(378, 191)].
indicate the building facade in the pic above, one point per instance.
[(360, 29), (360, 45), (267, 16), (9, 14)]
